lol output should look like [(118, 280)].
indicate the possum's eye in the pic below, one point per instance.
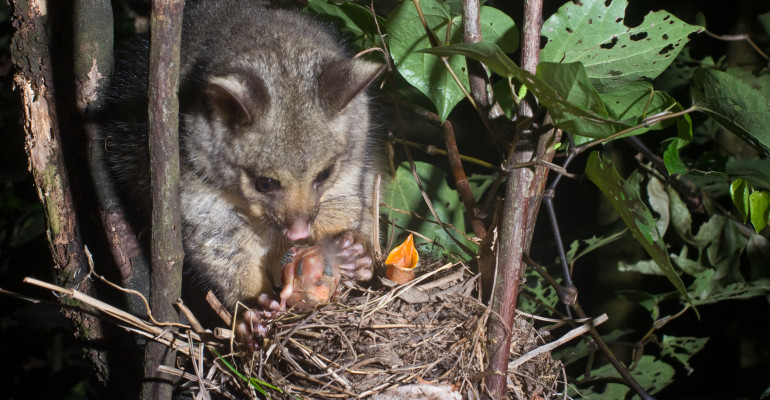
[(266, 185), (323, 175)]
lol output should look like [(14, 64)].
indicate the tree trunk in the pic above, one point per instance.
[(35, 53), (524, 191), (166, 249)]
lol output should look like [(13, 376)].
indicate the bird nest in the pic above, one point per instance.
[(426, 338)]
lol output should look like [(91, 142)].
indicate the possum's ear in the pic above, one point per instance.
[(237, 101), (342, 80)]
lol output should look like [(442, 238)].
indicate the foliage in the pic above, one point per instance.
[(407, 204), (443, 85), (602, 80)]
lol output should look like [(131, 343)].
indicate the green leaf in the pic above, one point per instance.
[(739, 192), (658, 200), (630, 106), (499, 63), (354, 21), (709, 232), (569, 354), (426, 73), (572, 84), (646, 267), (593, 32), (407, 37), (254, 382), (592, 243), (671, 159), (541, 298), (682, 349), (480, 183), (759, 208), (735, 105), (725, 254), (405, 195), (651, 374), (626, 202), (497, 27), (707, 290), (758, 81), (637, 101), (688, 266)]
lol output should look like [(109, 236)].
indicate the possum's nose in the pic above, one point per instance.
[(299, 229)]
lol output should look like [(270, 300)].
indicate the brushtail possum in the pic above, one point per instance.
[(275, 145)]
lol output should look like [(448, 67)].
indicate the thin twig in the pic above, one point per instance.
[(647, 122), (157, 333), (130, 291), (461, 181), (737, 38), (579, 331), (433, 150)]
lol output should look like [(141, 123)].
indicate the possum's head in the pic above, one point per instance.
[(294, 142)]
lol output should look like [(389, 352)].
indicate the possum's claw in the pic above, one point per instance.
[(256, 322), (352, 256)]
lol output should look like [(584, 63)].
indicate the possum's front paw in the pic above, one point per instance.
[(256, 322), (351, 254)]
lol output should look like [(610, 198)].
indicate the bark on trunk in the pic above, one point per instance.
[(35, 53), (166, 249)]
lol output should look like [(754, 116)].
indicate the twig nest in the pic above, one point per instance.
[(401, 262)]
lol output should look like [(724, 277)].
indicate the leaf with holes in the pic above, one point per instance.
[(682, 349), (638, 218), (652, 374), (591, 244), (593, 33)]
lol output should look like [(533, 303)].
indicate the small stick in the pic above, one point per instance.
[(556, 343), (219, 308)]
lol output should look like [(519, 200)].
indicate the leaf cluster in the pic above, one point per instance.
[(600, 80)]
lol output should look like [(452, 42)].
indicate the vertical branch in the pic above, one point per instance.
[(166, 249), (488, 109), (477, 77), (93, 64), (524, 189), (461, 180), (32, 52)]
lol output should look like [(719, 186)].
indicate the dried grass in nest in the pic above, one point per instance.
[(430, 331)]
